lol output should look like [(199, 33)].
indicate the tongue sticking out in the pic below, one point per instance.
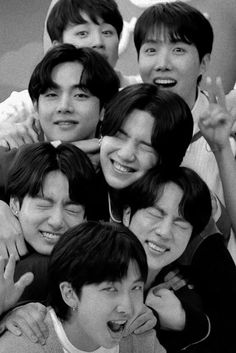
[(116, 328)]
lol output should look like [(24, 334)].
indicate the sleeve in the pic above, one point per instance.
[(16, 108), (197, 326), (37, 291), (214, 276)]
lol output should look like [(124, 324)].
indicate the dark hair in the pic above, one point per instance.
[(33, 162), (92, 253), (173, 121), (68, 12), (98, 77), (195, 206), (180, 21)]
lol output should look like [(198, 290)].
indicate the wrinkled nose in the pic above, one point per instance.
[(127, 152), (56, 220), (164, 229)]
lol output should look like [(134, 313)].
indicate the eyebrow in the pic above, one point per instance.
[(51, 200), (76, 86)]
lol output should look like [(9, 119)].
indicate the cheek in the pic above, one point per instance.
[(183, 240), (148, 161)]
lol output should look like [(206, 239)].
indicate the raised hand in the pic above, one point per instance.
[(10, 292), (217, 121)]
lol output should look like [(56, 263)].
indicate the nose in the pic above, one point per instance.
[(164, 228), (125, 305), (127, 152), (163, 60), (97, 40), (65, 104), (56, 219)]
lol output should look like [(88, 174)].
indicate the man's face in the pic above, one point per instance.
[(101, 37), (105, 309), (126, 156), (67, 112), (47, 216), (163, 232), (172, 66)]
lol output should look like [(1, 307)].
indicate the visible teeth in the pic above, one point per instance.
[(116, 326), (156, 247), (50, 235), (164, 82), (122, 168)]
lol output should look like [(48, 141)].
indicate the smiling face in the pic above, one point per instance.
[(104, 309), (67, 112), (126, 156), (101, 37), (172, 65), (163, 232), (46, 217)]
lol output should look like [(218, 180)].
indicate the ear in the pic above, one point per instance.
[(69, 296), (55, 42), (127, 216), (15, 206), (204, 64)]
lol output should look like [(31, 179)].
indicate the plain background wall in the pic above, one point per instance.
[(21, 33)]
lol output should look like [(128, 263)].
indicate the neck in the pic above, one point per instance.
[(151, 277), (115, 209), (77, 337)]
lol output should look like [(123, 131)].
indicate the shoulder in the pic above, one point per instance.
[(143, 343), (11, 343)]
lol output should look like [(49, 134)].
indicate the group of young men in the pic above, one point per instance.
[(71, 91)]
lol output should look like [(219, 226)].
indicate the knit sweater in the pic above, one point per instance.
[(144, 343)]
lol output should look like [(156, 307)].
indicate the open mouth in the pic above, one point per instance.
[(156, 248), (116, 328), (121, 168), (50, 237), (164, 83)]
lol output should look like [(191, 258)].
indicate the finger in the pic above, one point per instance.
[(22, 327), (21, 246), (172, 274), (2, 266), (13, 328), (3, 251), (220, 93), (24, 281), (10, 268), (12, 142), (209, 87), (3, 143), (31, 135), (44, 329), (178, 284), (11, 249)]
